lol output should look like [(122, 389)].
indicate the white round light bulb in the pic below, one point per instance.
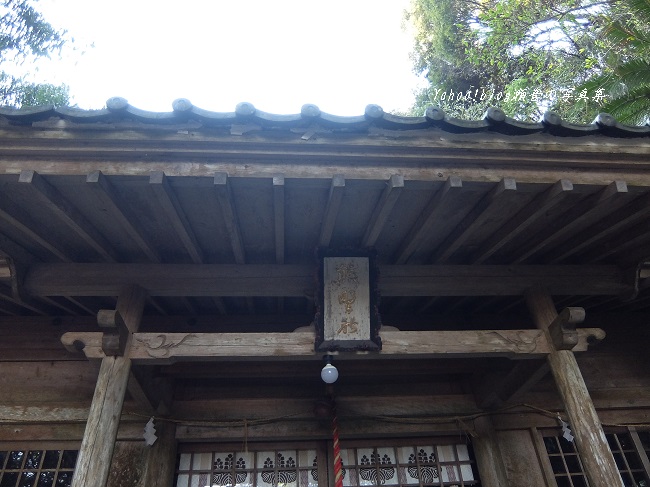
[(329, 374)]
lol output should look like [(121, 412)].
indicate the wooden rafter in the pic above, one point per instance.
[(382, 210), (523, 220), (171, 207), (635, 212), (337, 188), (445, 198), (624, 244), (278, 224), (224, 194), (25, 226), (9, 248), (278, 217), (584, 213), (229, 212), (80, 305), (67, 213), (113, 205), (493, 203)]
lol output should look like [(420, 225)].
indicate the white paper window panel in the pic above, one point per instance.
[(184, 463), (202, 461)]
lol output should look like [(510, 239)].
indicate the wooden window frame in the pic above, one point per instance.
[(638, 449), (324, 449), (7, 447)]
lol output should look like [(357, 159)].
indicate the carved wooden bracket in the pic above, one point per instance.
[(563, 331), (116, 333)]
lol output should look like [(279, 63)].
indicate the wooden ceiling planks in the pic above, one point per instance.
[(261, 198)]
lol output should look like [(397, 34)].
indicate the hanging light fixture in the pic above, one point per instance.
[(329, 373)]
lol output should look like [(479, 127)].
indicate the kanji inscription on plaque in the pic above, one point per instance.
[(347, 309)]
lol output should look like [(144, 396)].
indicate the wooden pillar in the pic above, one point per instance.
[(161, 457), (94, 460), (595, 454), (488, 454)]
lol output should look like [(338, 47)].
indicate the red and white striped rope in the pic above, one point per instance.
[(338, 463)]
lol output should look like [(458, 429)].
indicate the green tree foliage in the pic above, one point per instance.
[(625, 72), (525, 56), (24, 37)]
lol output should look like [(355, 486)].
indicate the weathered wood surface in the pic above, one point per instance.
[(59, 432), (521, 460), (441, 201), (96, 449), (382, 210), (298, 280), (308, 429), (141, 151), (39, 189), (596, 456), (489, 459), (170, 347), (160, 462), (93, 463), (334, 199), (27, 383), (410, 405)]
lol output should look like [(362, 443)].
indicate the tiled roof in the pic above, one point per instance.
[(495, 120)]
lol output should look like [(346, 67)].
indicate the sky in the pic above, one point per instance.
[(279, 55)]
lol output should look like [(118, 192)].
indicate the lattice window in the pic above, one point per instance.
[(268, 468), (629, 449), (37, 468), (399, 466), (449, 465), (627, 459), (565, 462)]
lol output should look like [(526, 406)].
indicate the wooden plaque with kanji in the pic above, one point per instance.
[(348, 317)]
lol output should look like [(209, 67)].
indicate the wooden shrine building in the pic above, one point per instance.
[(164, 311)]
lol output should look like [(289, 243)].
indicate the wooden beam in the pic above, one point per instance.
[(94, 460), (116, 333), (170, 347), (562, 330), (297, 280), (597, 459), (526, 217), (382, 210), (116, 210), (537, 157), (493, 203), (224, 195), (337, 188), (67, 213), (171, 207), (424, 223)]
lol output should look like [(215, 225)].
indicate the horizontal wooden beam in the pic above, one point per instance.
[(65, 279), (171, 347)]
